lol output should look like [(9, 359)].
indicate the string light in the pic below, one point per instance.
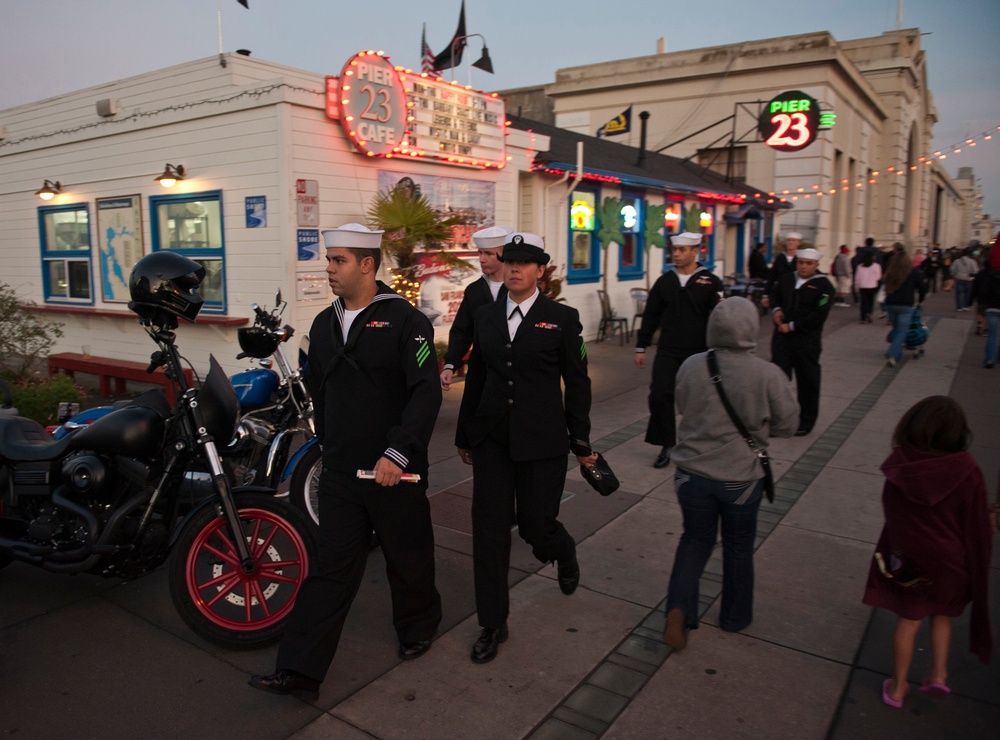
[(898, 169), (409, 289)]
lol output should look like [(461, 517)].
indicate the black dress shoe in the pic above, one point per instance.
[(802, 431), (569, 575), (663, 459), (488, 643), (286, 682), (413, 650)]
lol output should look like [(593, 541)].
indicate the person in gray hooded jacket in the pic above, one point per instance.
[(718, 477)]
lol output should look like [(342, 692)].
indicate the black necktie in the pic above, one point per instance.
[(515, 312)]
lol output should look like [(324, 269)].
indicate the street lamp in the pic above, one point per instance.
[(484, 62)]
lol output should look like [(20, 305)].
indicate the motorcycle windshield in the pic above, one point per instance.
[(219, 406)]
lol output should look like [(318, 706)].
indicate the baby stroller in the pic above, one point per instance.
[(916, 335)]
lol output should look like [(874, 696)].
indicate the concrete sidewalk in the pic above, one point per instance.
[(82, 657)]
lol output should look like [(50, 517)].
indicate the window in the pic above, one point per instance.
[(632, 255), (730, 162), (66, 256), (584, 262), (191, 225), (673, 219)]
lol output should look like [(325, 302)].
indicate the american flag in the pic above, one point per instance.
[(426, 55)]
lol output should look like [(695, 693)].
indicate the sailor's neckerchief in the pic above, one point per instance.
[(349, 342)]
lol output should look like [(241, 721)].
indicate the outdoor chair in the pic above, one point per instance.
[(639, 298), (609, 320)]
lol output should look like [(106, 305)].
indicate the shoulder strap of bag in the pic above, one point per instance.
[(765, 462)]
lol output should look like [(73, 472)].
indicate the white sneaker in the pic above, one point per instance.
[(890, 362)]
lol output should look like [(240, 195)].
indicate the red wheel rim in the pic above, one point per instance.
[(244, 602)]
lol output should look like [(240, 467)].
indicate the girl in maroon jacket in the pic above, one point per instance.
[(934, 552)]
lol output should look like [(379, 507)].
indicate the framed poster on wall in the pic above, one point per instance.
[(119, 243)]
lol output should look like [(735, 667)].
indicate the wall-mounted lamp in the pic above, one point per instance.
[(49, 190), (171, 174), (484, 62)]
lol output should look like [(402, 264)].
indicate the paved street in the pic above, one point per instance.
[(81, 657)]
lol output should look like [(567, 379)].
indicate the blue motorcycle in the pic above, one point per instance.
[(275, 440)]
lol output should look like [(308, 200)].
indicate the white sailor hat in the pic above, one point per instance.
[(808, 254), (794, 235), (524, 247), (687, 239), (493, 237), (353, 236)]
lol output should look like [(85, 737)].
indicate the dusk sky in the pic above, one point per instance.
[(50, 47)]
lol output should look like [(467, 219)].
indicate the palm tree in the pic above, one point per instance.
[(609, 214), (411, 226), (652, 236)]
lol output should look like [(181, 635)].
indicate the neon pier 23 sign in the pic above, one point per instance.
[(789, 121)]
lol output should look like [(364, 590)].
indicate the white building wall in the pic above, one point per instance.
[(249, 129)]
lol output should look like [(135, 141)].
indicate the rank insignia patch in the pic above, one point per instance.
[(423, 351)]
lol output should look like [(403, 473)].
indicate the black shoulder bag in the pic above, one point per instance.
[(765, 461)]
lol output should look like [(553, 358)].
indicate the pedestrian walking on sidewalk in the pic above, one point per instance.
[(867, 278), (719, 478), (487, 289), (904, 287), (801, 302), (373, 378), (515, 427), (933, 556), (842, 274), (963, 271), (987, 292), (679, 305)]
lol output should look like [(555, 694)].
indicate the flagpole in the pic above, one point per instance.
[(218, 16)]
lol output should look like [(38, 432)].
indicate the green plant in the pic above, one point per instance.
[(441, 348), (39, 399), (651, 234), (25, 338), (411, 226), (550, 284), (610, 215)]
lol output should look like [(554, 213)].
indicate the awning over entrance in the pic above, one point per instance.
[(744, 212)]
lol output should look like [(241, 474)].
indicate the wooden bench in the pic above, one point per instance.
[(121, 371)]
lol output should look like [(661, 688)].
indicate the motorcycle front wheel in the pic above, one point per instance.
[(303, 489), (212, 593)]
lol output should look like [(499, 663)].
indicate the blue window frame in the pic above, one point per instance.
[(584, 248), (191, 224), (707, 222), (64, 232), (631, 253)]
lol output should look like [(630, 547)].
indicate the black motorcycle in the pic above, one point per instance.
[(107, 499)]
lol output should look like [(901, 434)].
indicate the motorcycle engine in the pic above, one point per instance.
[(248, 450), (86, 475)]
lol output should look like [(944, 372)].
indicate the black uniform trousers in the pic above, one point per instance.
[(800, 353), (662, 427), (505, 492), (349, 510)]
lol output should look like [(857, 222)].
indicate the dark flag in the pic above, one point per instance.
[(244, 3), (620, 124), (452, 56)]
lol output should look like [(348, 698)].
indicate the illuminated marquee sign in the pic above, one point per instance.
[(455, 124), (387, 111), (789, 122), (373, 104)]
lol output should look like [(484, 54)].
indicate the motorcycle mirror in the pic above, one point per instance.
[(277, 298)]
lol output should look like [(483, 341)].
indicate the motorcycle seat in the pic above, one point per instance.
[(26, 440)]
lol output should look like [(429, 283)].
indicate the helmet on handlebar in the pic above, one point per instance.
[(258, 342), (165, 282)]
